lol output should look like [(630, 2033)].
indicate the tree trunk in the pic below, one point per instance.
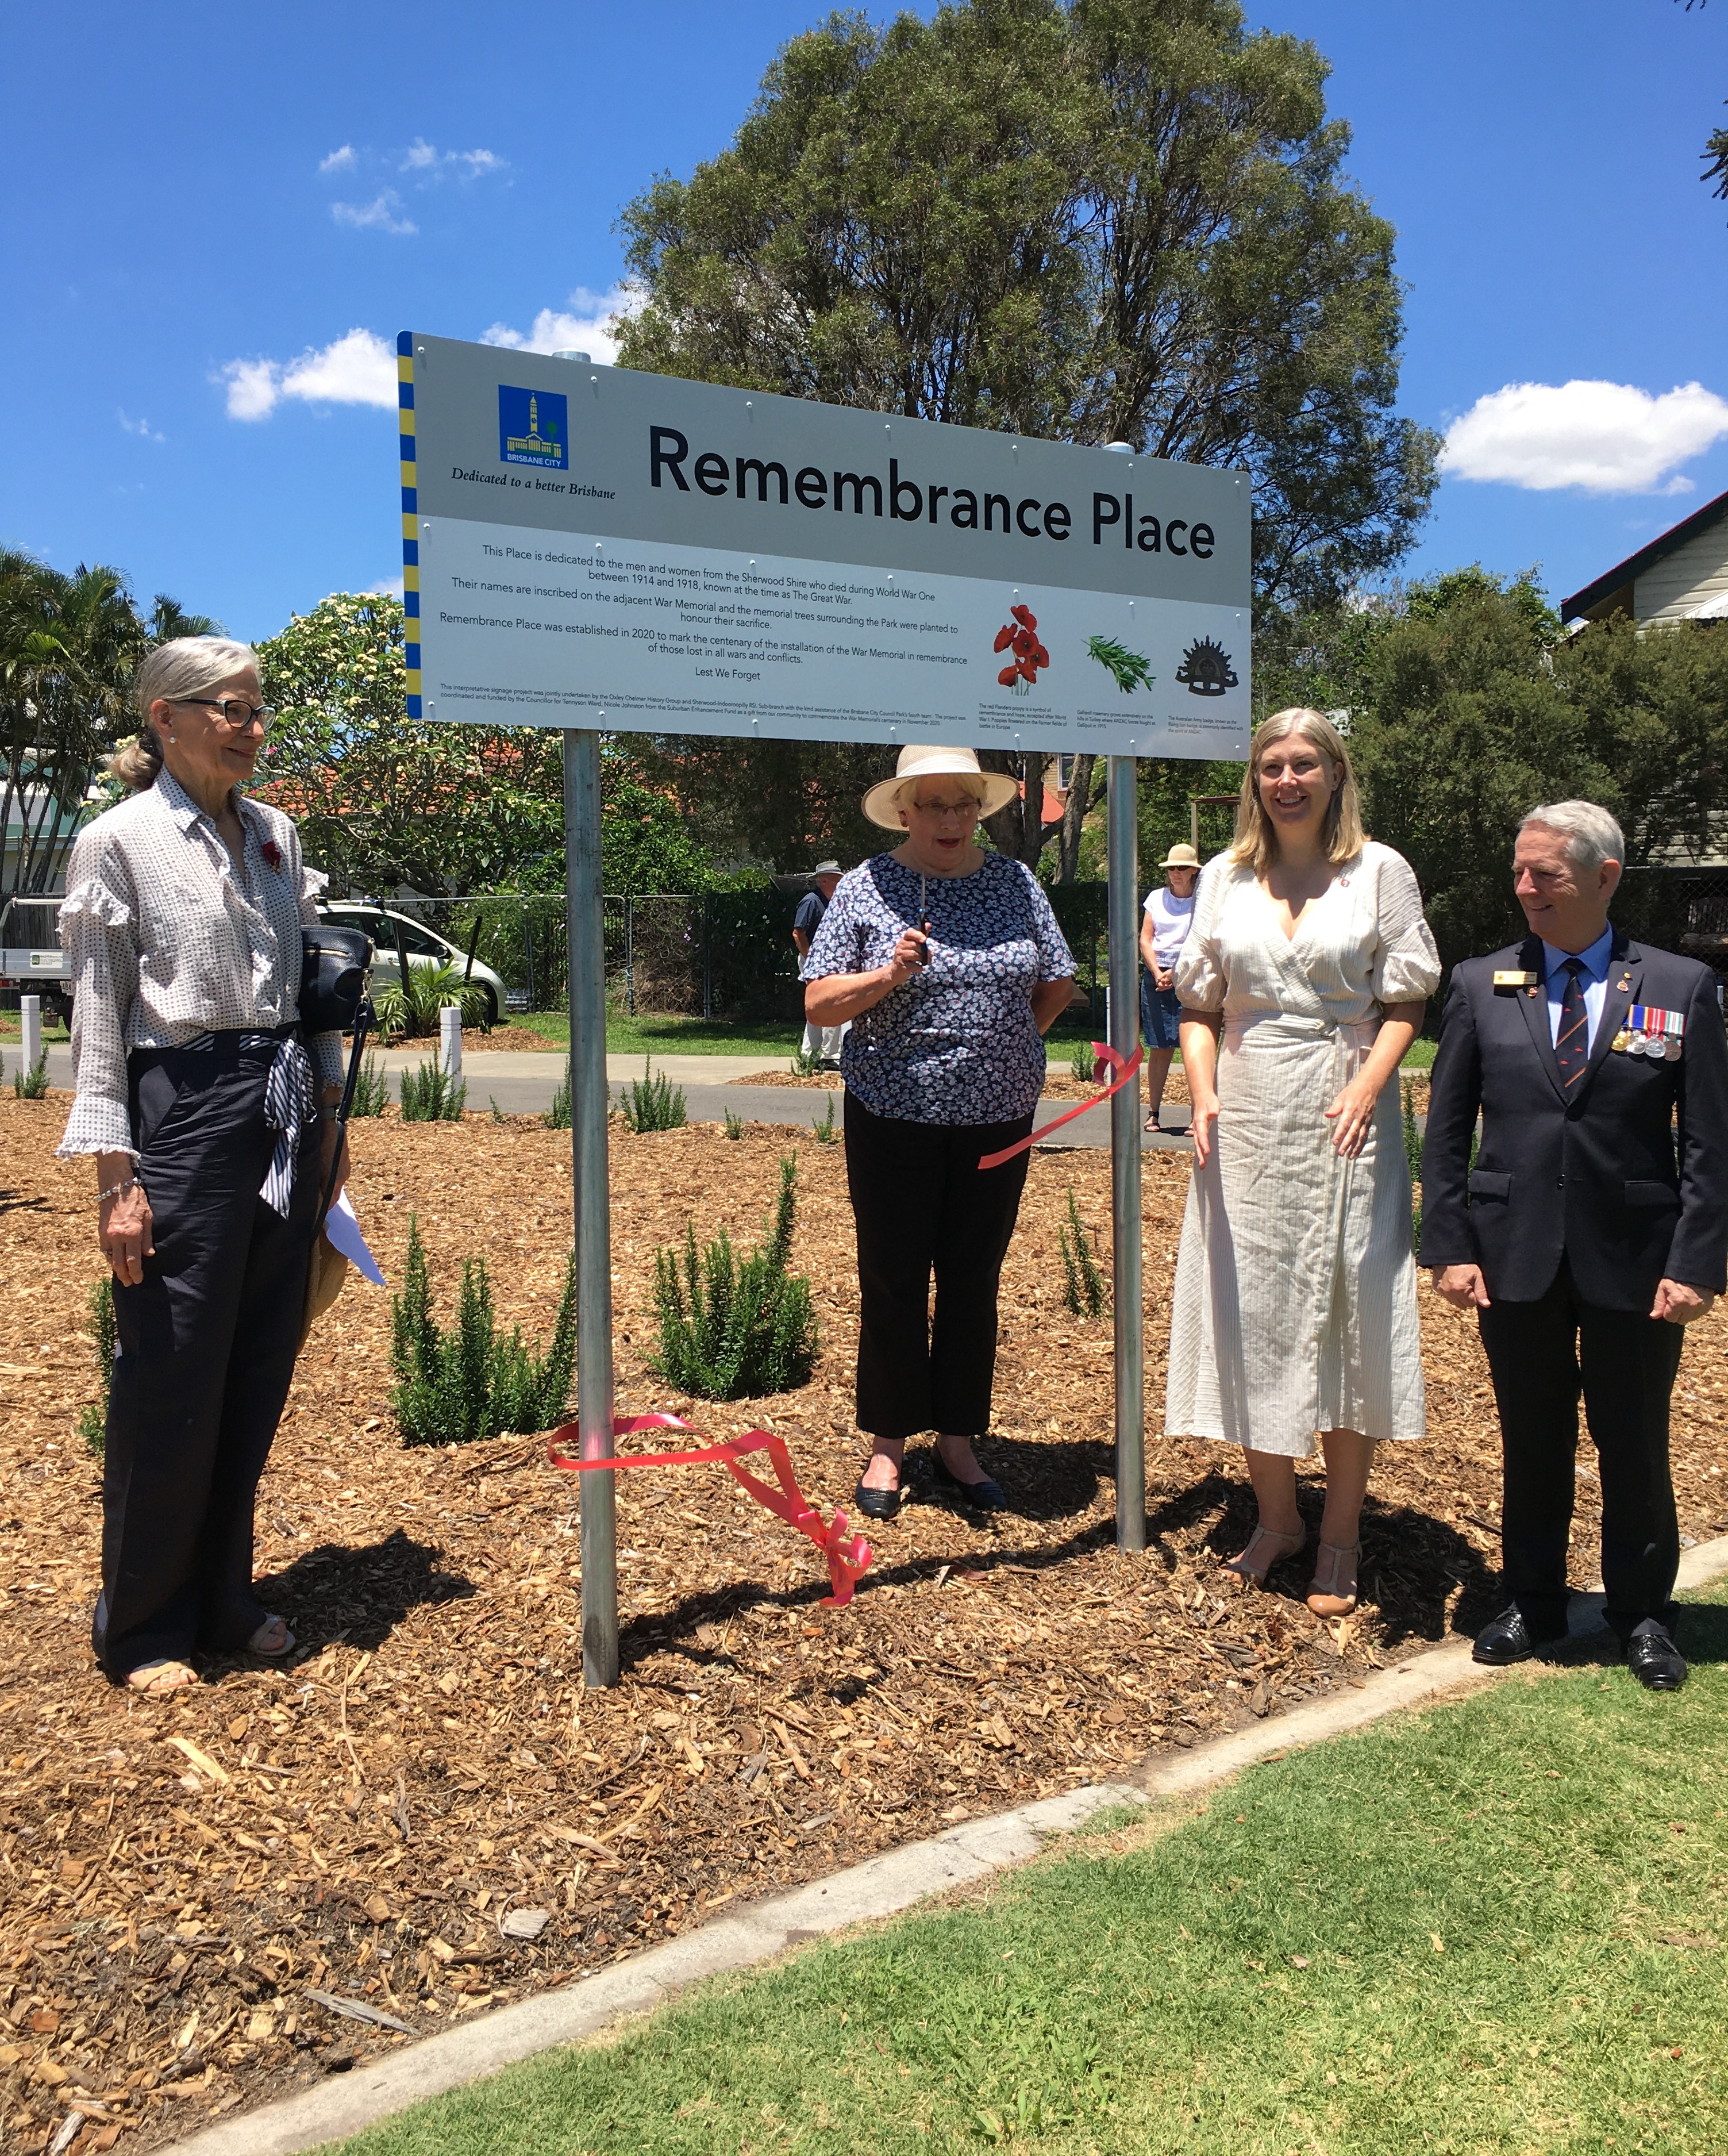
[(1073, 817), (1018, 830)]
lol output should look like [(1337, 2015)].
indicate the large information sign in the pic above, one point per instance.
[(589, 547)]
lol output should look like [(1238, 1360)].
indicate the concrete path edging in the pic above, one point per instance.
[(881, 1886)]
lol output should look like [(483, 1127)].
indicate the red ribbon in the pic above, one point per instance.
[(848, 1556), (1124, 1070)]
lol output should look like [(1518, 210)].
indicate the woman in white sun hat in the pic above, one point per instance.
[(949, 963), (1169, 915)]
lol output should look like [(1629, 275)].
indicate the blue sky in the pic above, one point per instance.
[(186, 243)]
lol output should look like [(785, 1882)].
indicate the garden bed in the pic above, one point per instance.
[(182, 1873)]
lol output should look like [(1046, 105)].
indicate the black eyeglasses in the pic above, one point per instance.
[(235, 713)]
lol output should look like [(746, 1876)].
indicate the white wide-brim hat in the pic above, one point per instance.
[(882, 803)]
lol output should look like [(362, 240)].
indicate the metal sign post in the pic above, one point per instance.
[(1122, 849), (589, 1100)]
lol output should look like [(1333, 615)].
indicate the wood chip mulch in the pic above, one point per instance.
[(426, 1814)]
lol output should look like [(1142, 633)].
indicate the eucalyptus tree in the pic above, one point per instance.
[(1091, 220)]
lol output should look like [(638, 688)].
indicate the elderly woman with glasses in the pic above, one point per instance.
[(949, 963), (196, 1095)]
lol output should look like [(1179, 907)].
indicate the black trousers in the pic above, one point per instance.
[(922, 1206), (1543, 1355), (207, 1346)]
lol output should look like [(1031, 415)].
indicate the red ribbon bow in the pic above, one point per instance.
[(848, 1556), (1125, 1068)]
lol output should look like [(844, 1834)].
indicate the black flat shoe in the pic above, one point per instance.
[(984, 1496), (1655, 1661), (1508, 1639), (878, 1504)]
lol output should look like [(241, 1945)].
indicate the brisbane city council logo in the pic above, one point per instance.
[(1206, 669)]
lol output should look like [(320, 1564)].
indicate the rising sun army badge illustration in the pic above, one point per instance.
[(1206, 669)]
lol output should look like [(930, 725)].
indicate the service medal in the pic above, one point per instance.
[(1671, 1051), (1637, 1044), (1622, 1041)]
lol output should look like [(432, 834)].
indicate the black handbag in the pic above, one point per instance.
[(333, 969)]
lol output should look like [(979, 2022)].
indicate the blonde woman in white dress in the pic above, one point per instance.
[(1296, 1286)]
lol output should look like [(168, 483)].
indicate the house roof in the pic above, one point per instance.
[(1634, 566)]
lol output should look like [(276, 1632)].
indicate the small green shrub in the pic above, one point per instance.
[(409, 1008), (1083, 1288), (371, 1090), (653, 1103), (430, 1094), (806, 1064), (1082, 1062), (31, 1085), (557, 1117), (474, 1381), (826, 1132), (732, 1331), (735, 1124), (93, 1419)]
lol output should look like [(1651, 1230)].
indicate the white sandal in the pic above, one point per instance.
[(255, 1645)]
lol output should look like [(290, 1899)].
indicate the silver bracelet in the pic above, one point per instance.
[(119, 1190)]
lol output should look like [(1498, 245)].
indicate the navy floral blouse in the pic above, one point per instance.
[(956, 1044)]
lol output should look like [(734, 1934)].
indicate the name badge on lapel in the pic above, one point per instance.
[(1515, 980)]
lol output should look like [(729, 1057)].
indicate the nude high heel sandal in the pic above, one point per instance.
[(1332, 1592)]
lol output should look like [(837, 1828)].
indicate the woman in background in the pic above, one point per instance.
[(1169, 915)]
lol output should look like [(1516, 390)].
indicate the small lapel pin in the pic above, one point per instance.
[(1621, 985)]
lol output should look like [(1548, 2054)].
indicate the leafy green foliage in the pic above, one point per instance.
[(474, 1381), (654, 1103), (1412, 1154), (70, 644), (93, 1417), (371, 1088), (384, 800), (429, 1095), (1083, 1288), (1127, 668), (557, 1117), (409, 1008), (732, 1331), (1089, 222), (826, 1132), (806, 1064), (1082, 1062), (734, 1124), (32, 1084)]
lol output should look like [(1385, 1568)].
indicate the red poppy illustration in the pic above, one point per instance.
[(1019, 635)]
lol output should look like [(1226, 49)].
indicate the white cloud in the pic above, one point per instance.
[(142, 428), (423, 157), (378, 215), (359, 369), (339, 160), (1600, 437), (387, 587), (581, 325)]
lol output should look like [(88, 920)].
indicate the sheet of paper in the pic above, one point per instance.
[(343, 1230)]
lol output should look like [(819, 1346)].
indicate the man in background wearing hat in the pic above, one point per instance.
[(1169, 915), (821, 1041), (1590, 1227)]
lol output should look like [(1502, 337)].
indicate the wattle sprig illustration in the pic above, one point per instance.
[(1020, 636), (1130, 670)]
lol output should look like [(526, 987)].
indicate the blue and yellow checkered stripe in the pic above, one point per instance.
[(410, 515)]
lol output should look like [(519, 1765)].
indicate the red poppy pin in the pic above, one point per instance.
[(272, 852)]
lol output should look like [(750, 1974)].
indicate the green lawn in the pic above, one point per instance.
[(1497, 1927), (645, 1036)]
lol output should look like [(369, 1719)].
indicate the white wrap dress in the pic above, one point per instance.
[(1296, 1283)]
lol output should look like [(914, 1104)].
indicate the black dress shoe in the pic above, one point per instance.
[(878, 1504), (1655, 1660), (984, 1496), (1508, 1639)]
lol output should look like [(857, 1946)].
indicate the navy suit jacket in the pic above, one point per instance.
[(1627, 1180)]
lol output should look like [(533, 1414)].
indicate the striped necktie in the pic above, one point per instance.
[(1572, 1044)]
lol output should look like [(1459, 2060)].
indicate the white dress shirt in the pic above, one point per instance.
[(1594, 982), (168, 940)]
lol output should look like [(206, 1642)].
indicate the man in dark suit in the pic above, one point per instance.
[(1591, 1228)]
